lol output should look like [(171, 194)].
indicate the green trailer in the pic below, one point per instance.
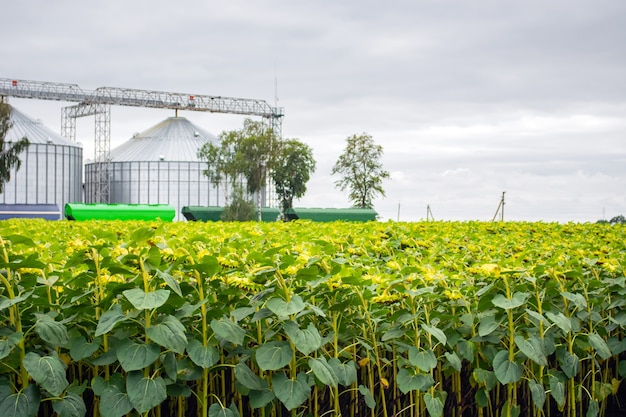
[(202, 213), (214, 213), (331, 214), (98, 211)]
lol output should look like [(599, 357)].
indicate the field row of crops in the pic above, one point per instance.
[(298, 319)]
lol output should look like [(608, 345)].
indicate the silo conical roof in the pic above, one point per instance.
[(173, 139), (34, 130)]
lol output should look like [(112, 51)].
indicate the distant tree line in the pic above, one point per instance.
[(620, 219)]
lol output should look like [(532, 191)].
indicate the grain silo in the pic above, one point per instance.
[(51, 171), (158, 166)]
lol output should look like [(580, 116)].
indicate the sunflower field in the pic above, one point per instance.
[(460, 319)]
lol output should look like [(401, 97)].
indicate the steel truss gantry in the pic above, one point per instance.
[(98, 103)]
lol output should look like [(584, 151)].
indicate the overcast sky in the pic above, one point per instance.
[(469, 98)]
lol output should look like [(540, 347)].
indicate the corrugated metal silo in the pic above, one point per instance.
[(51, 171), (158, 166)]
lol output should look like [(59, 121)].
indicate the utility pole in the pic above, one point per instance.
[(429, 213), (500, 209)]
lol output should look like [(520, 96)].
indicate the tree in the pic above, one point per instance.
[(619, 219), (246, 154), (361, 170), (255, 154), (292, 169), (221, 168), (240, 208), (9, 152)]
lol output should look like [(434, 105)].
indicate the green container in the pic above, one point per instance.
[(80, 211), (214, 213), (202, 213), (269, 214), (331, 214)]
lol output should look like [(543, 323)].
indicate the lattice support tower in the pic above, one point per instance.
[(102, 134)]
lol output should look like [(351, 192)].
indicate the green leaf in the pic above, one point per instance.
[(557, 390), (482, 397), (8, 302), (20, 240), (467, 349), (577, 299), (146, 300), (284, 309), (81, 349), (307, 340), (486, 377), (109, 319), (292, 393), (170, 365), (621, 370), (518, 299), (47, 371), (217, 410), (51, 331), (136, 356), (593, 409), (599, 345), (533, 349), (537, 316), (454, 361), (274, 355), (228, 330), (563, 322), (323, 371), (538, 394), (169, 333), (570, 364), (434, 404), (170, 281), (187, 370), (436, 333), (261, 398), (247, 378), (242, 312), (142, 234), (24, 403), (393, 333), (145, 393), (71, 405), (487, 325), (425, 360), (178, 389), (367, 395), (98, 384), (506, 371), (107, 358), (7, 345), (5, 348), (346, 372), (603, 390), (409, 381), (203, 356)]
